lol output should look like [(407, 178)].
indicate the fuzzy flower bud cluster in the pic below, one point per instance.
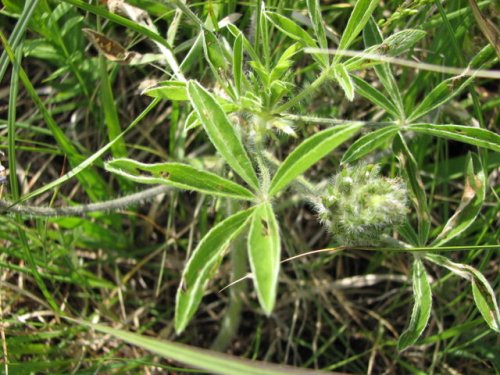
[(359, 205)]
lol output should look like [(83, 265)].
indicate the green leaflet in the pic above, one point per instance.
[(178, 175), (439, 95), (203, 264), (421, 309), (344, 80), (470, 204), (264, 249), (410, 172), (467, 134), (171, 90), (483, 293), (221, 132), (357, 21), (375, 96), (309, 152), (368, 143)]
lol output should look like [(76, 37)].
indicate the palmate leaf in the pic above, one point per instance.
[(264, 251), (221, 132), (309, 152), (421, 309), (178, 175), (202, 265)]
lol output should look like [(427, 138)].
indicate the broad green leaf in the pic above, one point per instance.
[(211, 361), (470, 204), (442, 93), (411, 174), (221, 132), (375, 96), (466, 134), (202, 265), (483, 293), (171, 90), (309, 152), (421, 312), (238, 63), (344, 80), (368, 143), (178, 175), (264, 249), (291, 29), (372, 36), (357, 21)]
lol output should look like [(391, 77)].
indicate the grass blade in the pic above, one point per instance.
[(421, 309), (264, 249), (178, 175), (90, 179), (90, 160), (309, 152), (221, 132), (17, 33), (202, 265), (210, 361), (291, 29)]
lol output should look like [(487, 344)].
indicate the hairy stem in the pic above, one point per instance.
[(81, 210)]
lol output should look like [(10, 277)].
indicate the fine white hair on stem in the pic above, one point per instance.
[(81, 210)]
